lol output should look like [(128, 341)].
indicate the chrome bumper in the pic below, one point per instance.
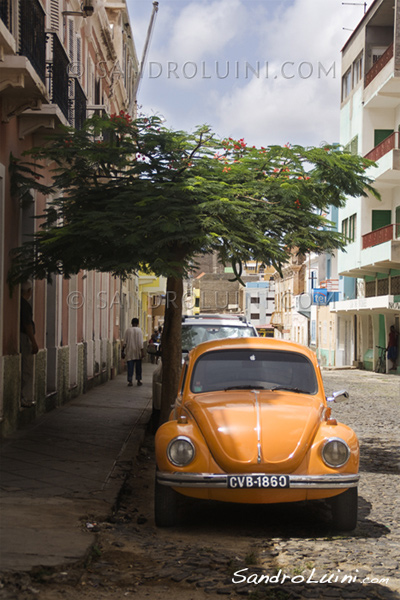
[(216, 480)]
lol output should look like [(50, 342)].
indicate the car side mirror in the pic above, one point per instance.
[(338, 396)]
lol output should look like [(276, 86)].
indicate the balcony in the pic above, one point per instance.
[(384, 304), (6, 13), (7, 40), (381, 235), (387, 156), (379, 65), (23, 65), (57, 69), (77, 104), (32, 35), (390, 143), (80, 106), (379, 252)]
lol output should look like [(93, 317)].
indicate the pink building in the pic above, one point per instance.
[(60, 61)]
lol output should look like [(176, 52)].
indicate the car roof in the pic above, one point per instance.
[(214, 319)]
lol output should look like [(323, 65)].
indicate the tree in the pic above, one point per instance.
[(128, 196)]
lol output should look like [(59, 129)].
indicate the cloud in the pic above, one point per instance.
[(299, 100), (273, 111), (205, 28), (296, 100)]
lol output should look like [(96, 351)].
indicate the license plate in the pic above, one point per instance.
[(258, 481)]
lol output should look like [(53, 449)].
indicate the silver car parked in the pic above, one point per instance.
[(204, 328)]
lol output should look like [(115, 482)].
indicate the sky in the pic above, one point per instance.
[(268, 71)]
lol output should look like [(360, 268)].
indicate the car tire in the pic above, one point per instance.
[(154, 422), (344, 510), (166, 506)]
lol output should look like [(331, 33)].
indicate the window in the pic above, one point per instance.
[(345, 227), (248, 369), (192, 335), (255, 300), (383, 287), (357, 70), (346, 84), (352, 227), (352, 146), (349, 228), (313, 277)]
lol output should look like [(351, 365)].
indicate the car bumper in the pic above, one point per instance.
[(216, 480)]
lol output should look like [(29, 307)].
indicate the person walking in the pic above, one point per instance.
[(134, 353), (28, 345), (392, 347)]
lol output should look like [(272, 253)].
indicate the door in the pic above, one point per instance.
[(381, 218), (381, 134)]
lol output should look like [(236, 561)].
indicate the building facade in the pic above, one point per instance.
[(60, 61), (370, 126)]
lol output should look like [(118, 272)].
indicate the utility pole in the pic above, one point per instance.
[(145, 52)]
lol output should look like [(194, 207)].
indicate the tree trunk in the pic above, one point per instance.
[(171, 345)]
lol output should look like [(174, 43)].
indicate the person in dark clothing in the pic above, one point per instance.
[(28, 345), (392, 347)]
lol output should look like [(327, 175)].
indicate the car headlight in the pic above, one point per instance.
[(335, 452), (180, 451)]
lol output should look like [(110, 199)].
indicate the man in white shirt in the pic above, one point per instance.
[(133, 348)]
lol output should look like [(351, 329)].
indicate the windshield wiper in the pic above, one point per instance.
[(245, 387), (289, 389)]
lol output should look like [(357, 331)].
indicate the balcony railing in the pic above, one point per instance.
[(6, 13), (58, 75), (378, 66), (390, 143), (32, 35), (381, 235), (77, 104)]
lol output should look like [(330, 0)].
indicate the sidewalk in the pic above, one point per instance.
[(66, 469)]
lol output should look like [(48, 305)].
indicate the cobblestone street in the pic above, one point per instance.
[(222, 550), (373, 550)]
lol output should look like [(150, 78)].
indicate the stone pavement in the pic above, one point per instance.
[(65, 470)]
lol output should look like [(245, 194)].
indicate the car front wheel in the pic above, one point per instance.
[(166, 506), (344, 510)]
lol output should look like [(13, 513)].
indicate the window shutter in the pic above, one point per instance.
[(71, 40), (79, 65), (397, 221), (55, 15)]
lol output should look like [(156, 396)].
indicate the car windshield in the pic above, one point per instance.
[(253, 369), (192, 335)]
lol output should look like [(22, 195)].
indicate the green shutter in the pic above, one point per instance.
[(397, 221), (381, 218), (381, 134)]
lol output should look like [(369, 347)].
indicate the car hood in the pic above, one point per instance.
[(257, 431)]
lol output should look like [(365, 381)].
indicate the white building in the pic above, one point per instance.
[(370, 120)]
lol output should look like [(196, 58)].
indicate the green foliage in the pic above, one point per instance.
[(128, 196), (24, 179)]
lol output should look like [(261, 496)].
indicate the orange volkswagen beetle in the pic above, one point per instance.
[(251, 424)]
